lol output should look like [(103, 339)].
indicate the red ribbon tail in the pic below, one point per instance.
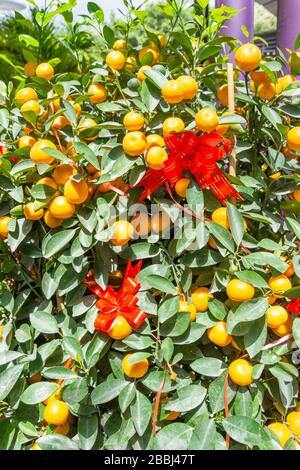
[(151, 182), (221, 187)]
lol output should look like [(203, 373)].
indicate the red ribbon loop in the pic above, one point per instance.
[(198, 155), (111, 303), (294, 306)]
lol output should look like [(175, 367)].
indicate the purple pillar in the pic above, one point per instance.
[(288, 24), (245, 17)]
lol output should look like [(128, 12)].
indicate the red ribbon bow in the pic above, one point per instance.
[(198, 155), (111, 303), (294, 306)]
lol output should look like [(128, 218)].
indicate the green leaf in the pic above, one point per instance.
[(44, 322), (296, 331), (204, 434), (56, 442), (216, 393), (141, 412), (138, 342), (56, 242), (107, 391), (72, 347), (168, 308), (201, 259), (255, 339), (295, 226), (243, 403), (253, 278), (217, 309), (8, 379), (137, 357), (157, 78), (243, 429), (177, 327), (272, 116), (236, 223), (87, 153), (209, 366), (76, 391), (87, 431), (263, 258), (127, 396), (59, 372), (37, 393), (188, 398), (175, 436), (139, 251), (222, 235), (162, 284), (247, 312)]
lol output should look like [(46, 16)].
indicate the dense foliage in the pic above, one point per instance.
[(214, 363)]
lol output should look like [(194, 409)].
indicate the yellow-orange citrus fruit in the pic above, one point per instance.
[(26, 94), (200, 298), (31, 106), (296, 195), (285, 328), (239, 291), (281, 431), (115, 60), (149, 50), (172, 124), (181, 186), (173, 91), (56, 412), (218, 334), (187, 307), (76, 192), (48, 182), (30, 213), (266, 91), (120, 328), (173, 415), (162, 39), (276, 316), (223, 94), (61, 208), (98, 93), (220, 216), (293, 139), (286, 81), (293, 422), (30, 69), (63, 429), (26, 141), (133, 121), (60, 122), (259, 76), (154, 140), (45, 70), (134, 143), (123, 231), (280, 283), (140, 75), (135, 370), (240, 372), (189, 85), (155, 158), (248, 57), (54, 396), (141, 223), (63, 172), (4, 221), (51, 221), (120, 45), (212, 243), (130, 63), (89, 124), (207, 120), (160, 222), (39, 155)]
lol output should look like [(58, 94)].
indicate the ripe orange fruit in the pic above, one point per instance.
[(149, 49), (189, 85), (186, 307), (26, 141), (133, 121), (115, 60), (140, 75), (31, 214), (120, 328), (55, 396), (281, 431), (98, 93), (172, 416), (240, 372), (173, 91), (130, 63), (162, 39), (223, 94), (160, 222), (259, 76), (293, 139), (280, 283), (39, 155), (239, 291), (200, 298), (48, 182), (61, 208), (51, 221), (276, 316), (136, 370), (63, 172), (56, 412), (141, 223), (30, 69), (77, 108), (155, 140), (181, 186), (293, 422), (296, 195), (285, 81), (285, 328), (248, 57), (207, 120), (63, 429), (155, 158), (26, 94), (123, 231), (220, 216), (31, 106), (290, 154), (76, 192), (4, 221), (218, 334), (89, 124), (120, 45), (60, 122), (45, 71), (134, 143), (291, 270), (173, 124), (266, 91), (212, 243)]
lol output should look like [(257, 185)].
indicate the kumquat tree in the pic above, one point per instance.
[(149, 222)]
